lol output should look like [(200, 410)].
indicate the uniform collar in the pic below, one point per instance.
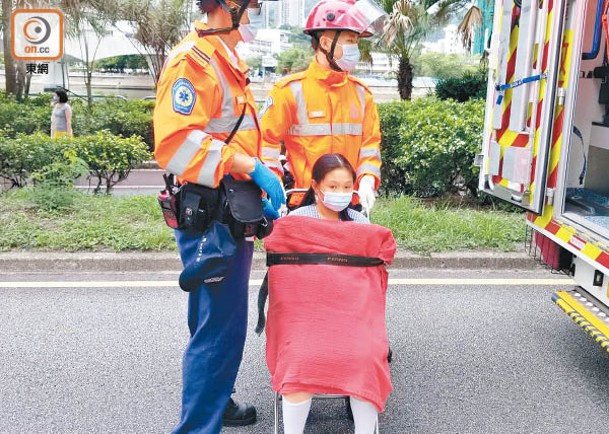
[(223, 50), (329, 77)]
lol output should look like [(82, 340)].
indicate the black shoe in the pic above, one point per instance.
[(238, 414)]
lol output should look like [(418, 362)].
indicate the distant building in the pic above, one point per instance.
[(381, 65), (267, 43), (291, 13), (449, 44)]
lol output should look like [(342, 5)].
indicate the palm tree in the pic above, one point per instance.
[(410, 21), (472, 21), (474, 26)]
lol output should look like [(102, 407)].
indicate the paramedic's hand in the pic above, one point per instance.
[(268, 210), (270, 183), (366, 193)]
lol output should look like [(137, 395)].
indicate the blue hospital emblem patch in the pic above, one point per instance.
[(184, 96), (267, 105)]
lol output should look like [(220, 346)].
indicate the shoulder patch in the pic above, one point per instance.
[(184, 96), (290, 78), (267, 105), (201, 52)]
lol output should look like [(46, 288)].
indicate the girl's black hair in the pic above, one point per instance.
[(62, 94), (324, 165)]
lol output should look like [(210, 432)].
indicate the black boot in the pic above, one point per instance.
[(237, 414)]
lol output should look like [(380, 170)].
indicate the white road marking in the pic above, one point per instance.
[(258, 282)]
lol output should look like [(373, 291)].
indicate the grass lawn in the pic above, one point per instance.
[(30, 219)]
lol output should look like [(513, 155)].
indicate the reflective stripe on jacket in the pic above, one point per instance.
[(317, 112), (201, 95)]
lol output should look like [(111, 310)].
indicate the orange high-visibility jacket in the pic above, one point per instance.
[(201, 95), (317, 112)]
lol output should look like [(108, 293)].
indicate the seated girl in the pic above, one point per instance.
[(328, 198), (331, 191)]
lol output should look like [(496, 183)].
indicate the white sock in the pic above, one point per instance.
[(365, 416), (295, 416)]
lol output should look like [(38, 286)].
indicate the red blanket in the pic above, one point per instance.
[(326, 323)]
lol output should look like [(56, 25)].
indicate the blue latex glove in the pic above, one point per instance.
[(270, 183), (268, 210)]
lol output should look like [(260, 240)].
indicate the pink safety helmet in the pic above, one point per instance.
[(364, 17)]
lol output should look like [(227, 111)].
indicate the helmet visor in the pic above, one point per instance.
[(368, 14)]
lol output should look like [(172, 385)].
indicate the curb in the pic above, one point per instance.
[(57, 262)]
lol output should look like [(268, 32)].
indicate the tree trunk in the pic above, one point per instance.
[(405, 77), (9, 64), (20, 79), (88, 79), (28, 82)]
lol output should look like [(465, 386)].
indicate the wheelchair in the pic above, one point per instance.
[(277, 397)]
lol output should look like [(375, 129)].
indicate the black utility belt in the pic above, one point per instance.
[(238, 204)]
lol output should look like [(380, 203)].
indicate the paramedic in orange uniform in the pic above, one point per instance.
[(325, 109), (203, 99)]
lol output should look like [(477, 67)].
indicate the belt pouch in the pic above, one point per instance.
[(244, 203), (198, 206)]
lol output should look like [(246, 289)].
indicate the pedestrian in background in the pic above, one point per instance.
[(61, 117)]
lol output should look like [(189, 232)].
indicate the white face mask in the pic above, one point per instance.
[(249, 31), (337, 201), (350, 59)]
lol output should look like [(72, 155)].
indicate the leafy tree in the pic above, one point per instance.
[(9, 62), (443, 66), (88, 20), (120, 63), (16, 79), (254, 62), (159, 26), (79, 15), (295, 59), (298, 38), (410, 21)]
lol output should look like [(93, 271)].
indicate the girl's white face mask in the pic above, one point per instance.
[(336, 201)]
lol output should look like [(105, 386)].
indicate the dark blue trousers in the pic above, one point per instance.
[(217, 319)]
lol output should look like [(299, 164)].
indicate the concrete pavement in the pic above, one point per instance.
[(38, 261), (468, 358)]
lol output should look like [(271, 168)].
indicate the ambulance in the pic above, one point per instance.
[(546, 141)]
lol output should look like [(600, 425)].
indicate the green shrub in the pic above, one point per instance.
[(58, 162), (27, 117), (61, 173), (121, 118), (392, 116), (471, 85), (434, 147), (125, 118), (110, 158), (25, 154)]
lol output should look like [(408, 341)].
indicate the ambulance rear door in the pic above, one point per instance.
[(524, 63)]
